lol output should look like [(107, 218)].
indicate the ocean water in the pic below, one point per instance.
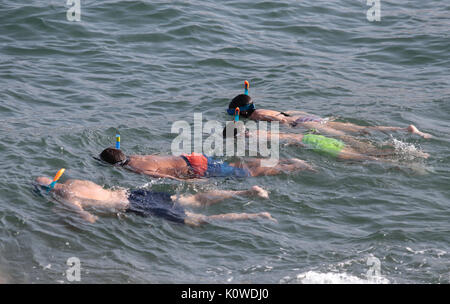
[(135, 67)]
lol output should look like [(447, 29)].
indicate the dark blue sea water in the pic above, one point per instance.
[(135, 67)]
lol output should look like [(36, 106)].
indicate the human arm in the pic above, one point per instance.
[(161, 175), (269, 115), (76, 206)]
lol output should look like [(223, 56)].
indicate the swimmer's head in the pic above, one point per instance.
[(113, 156), (230, 130), (244, 103), (43, 181), (234, 130), (41, 185)]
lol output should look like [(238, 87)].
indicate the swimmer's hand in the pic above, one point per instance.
[(77, 206), (260, 192), (90, 218)]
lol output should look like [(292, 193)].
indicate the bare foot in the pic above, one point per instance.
[(425, 155), (260, 192), (90, 218), (421, 154), (412, 129), (267, 216)]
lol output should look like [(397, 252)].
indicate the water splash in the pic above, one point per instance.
[(406, 151), (312, 277)]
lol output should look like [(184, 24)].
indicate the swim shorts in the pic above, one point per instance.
[(209, 167), (218, 168), (322, 144), (198, 163), (149, 203)]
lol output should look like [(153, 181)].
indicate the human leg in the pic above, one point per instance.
[(255, 167), (196, 219), (216, 196)]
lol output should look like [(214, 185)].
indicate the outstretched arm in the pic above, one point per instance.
[(162, 175), (89, 217), (157, 174), (76, 206), (269, 115), (293, 112), (70, 201)]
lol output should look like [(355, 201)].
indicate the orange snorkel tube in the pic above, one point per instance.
[(246, 87), (55, 179)]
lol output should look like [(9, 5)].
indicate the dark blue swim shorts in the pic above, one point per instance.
[(150, 203)]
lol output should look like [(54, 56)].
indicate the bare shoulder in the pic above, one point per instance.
[(77, 185), (79, 182), (263, 114), (266, 112)]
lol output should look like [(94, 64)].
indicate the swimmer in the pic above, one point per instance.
[(80, 195), (297, 118), (195, 165), (347, 148)]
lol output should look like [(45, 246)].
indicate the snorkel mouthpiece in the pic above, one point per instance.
[(248, 107)]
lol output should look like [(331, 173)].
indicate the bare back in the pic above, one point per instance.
[(156, 164), (283, 117), (87, 193)]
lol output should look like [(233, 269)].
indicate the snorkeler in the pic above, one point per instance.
[(345, 148), (82, 194), (298, 118), (195, 165)]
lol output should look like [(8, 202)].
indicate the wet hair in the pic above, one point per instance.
[(230, 126), (241, 101), (234, 130), (113, 156)]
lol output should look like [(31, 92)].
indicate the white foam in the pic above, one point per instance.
[(406, 150), (312, 277)]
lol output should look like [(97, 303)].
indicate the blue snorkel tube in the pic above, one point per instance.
[(117, 141)]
